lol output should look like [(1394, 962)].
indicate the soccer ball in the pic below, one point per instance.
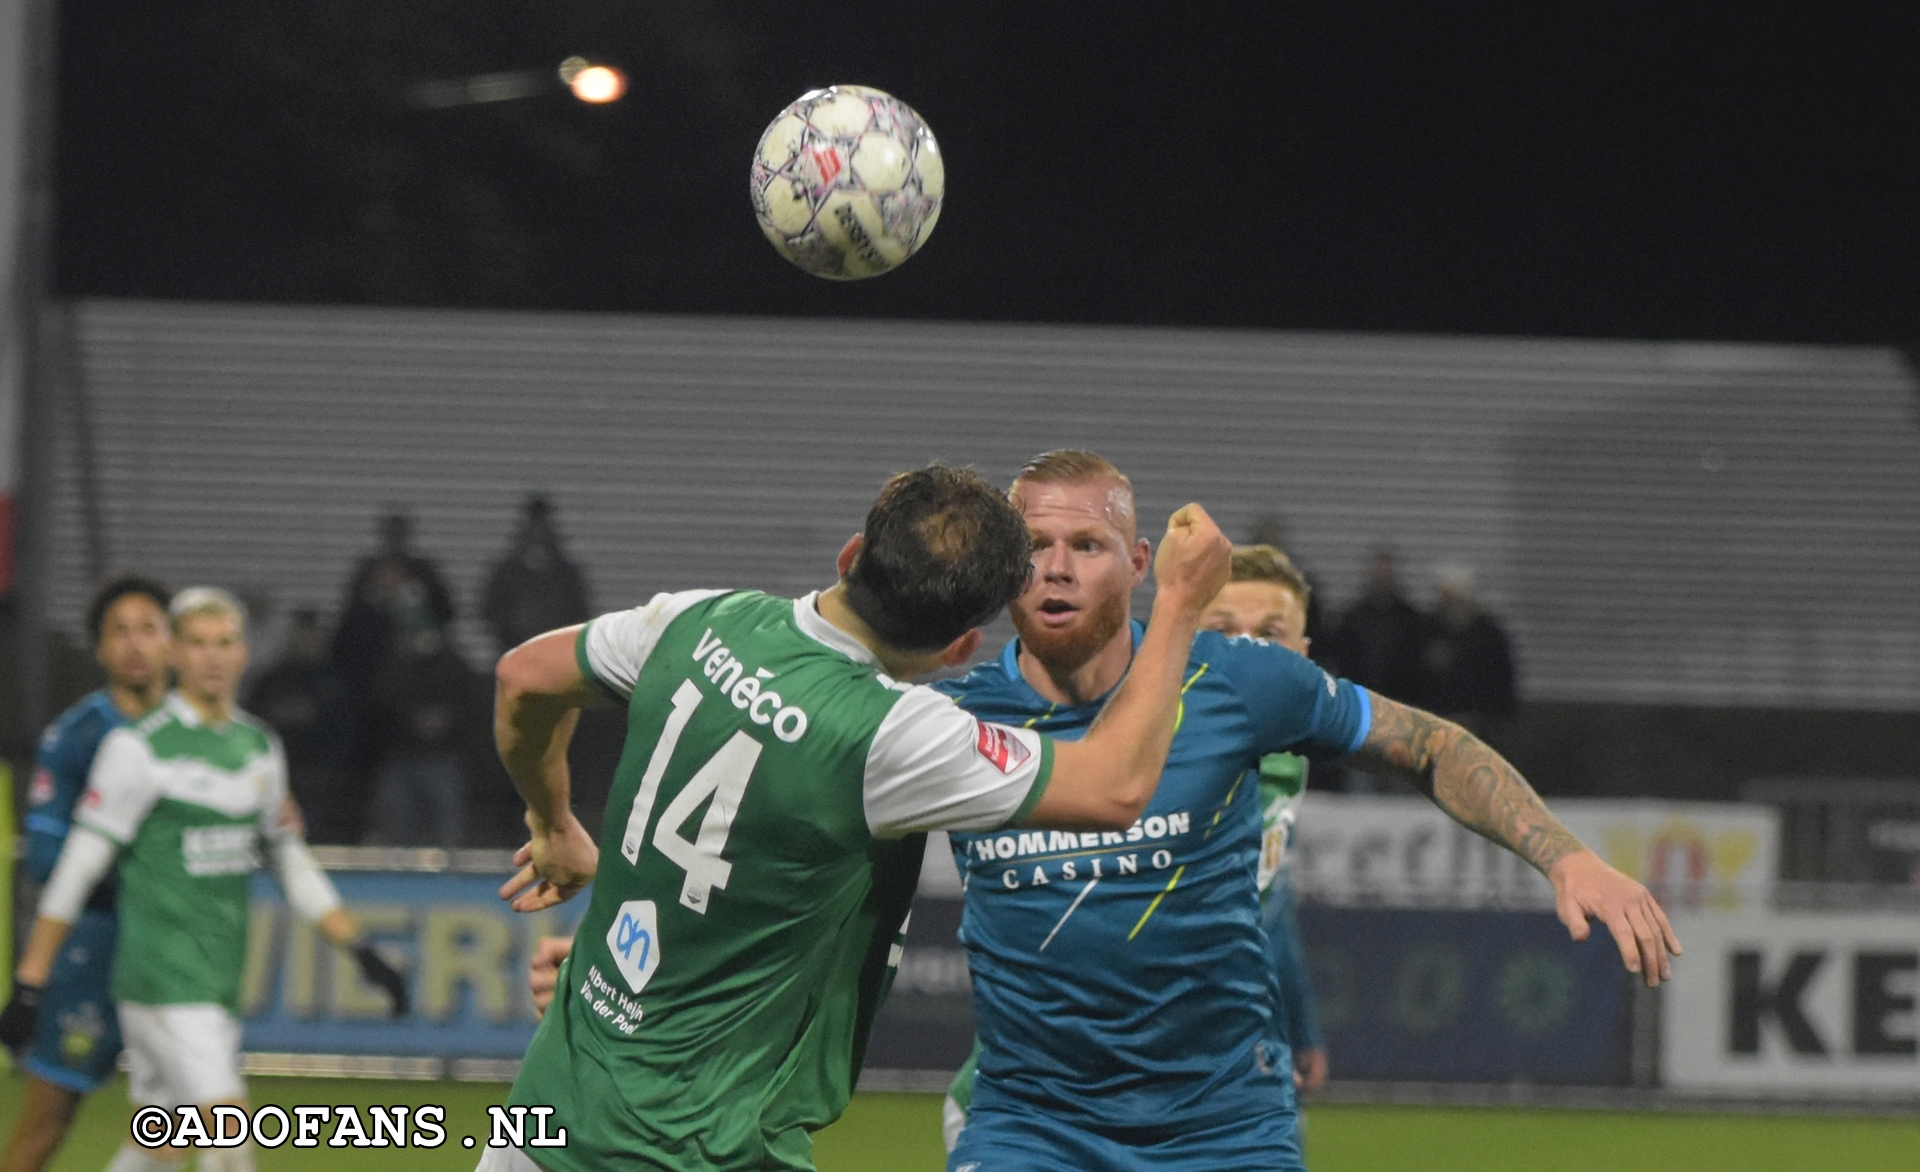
[(847, 182)]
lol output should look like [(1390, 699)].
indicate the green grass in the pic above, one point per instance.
[(1468, 1139), (901, 1133)]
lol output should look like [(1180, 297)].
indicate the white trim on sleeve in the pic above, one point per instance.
[(85, 859), (929, 769), (618, 644), (308, 890)]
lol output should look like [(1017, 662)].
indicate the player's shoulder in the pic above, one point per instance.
[(988, 677), (666, 608), (134, 740), (1242, 661), (254, 732), (995, 687), (88, 719)]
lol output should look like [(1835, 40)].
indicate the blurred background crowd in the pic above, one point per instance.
[(387, 721)]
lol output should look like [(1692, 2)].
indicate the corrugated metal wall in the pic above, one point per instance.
[(1664, 523)]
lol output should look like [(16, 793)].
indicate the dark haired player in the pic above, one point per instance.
[(1121, 987), (78, 1036), (764, 831)]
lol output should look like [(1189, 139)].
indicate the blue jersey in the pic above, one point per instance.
[(60, 770), (1121, 979)]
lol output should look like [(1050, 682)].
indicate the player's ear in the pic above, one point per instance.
[(961, 649), (849, 552), (1142, 559)]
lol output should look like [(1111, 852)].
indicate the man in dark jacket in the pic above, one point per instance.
[(534, 588)]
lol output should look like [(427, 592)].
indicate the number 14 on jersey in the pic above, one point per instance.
[(723, 777)]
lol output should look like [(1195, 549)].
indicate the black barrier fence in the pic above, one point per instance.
[(925, 1030), (1846, 830)]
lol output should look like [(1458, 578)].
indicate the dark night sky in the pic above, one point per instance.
[(1709, 172)]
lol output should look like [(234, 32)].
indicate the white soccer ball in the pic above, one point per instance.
[(847, 182)]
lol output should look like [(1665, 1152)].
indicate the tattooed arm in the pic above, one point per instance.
[(1481, 791), (1461, 775)]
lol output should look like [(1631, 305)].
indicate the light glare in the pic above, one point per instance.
[(599, 84)]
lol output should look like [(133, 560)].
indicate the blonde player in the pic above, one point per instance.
[(179, 803)]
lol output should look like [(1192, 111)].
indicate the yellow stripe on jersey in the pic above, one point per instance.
[(1155, 905)]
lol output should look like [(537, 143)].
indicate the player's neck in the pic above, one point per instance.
[(1083, 684), (214, 711), (833, 607), (135, 702)]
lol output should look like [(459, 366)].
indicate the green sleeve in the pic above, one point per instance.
[(1040, 779)]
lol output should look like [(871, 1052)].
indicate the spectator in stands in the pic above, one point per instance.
[(1468, 659), (306, 702), (1382, 637), (534, 588), (393, 594), (429, 698)]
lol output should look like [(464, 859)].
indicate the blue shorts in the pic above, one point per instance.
[(79, 1037), (1018, 1140)]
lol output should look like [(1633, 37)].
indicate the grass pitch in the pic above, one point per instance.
[(901, 1133)]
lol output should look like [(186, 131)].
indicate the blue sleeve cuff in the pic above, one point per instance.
[(47, 824), (1366, 718)]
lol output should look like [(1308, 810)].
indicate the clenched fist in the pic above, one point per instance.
[(1193, 562)]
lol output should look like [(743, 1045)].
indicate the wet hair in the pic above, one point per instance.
[(944, 551), (118, 588), (1264, 563), (1072, 466), (1075, 466), (208, 600)]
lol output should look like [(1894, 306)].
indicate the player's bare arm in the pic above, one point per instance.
[(43, 945), (543, 970), (1481, 791), (539, 691), (1104, 781)]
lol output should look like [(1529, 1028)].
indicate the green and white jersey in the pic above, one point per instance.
[(757, 863), (187, 804), (1283, 783)]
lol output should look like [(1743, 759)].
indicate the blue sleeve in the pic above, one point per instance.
[(60, 769), (1290, 964), (1295, 706)]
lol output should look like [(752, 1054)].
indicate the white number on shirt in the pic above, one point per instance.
[(723, 777)]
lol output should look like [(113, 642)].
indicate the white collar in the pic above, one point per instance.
[(806, 613), (182, 711)]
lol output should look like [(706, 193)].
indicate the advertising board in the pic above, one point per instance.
[(1404, 851), (1467, 996), (464, 952), (1794, 1004)]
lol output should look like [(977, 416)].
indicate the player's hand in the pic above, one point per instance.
[(1309, 1070), (377, 971), (291, 820), (20, 1018), (544, 972), (554, 866), (1193, 562), (1584, 886)]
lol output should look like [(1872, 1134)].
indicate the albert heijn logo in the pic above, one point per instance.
[(1001, 746), (634, 940)]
